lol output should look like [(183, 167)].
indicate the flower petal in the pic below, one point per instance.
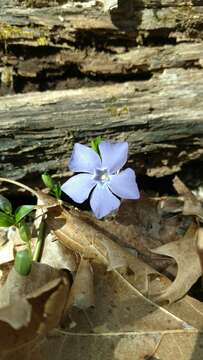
[(102, 201), (78, 187), (84, 159), (124, 184), (114, 155)]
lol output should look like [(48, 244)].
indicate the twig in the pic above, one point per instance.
[(40, 241), (14, 182)]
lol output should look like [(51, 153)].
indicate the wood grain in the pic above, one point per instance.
[(161, 119), (133, 74)]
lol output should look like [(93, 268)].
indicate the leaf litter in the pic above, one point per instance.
[(115, 307)]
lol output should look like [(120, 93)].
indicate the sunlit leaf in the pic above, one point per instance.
[(47, 180), (6, 220), (184, 251), (25, 233), (29, 306), (23, 211), (5, 205), (95, 144), (57, 191)]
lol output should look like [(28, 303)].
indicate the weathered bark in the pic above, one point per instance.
[(139, 70), (161, 118), (70, 45)]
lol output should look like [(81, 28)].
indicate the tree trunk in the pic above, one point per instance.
[(72, 71)]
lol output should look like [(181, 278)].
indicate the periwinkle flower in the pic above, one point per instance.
[(102, 175)]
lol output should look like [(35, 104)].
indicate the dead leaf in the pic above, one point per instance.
[(143, 226), (3, 236), (140, 225), (57, 255), (110, 5), (17, 313), (6, 252), (125, 325), (82, 290), (7, 247), (192, 205), (200, 246), (184, 251), (30, 305), (78, 235)]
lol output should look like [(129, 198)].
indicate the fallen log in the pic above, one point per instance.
[(72, 71)]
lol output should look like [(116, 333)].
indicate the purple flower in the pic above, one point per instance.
[(101, 174)]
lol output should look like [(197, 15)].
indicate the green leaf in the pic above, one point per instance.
[(54, 187), (6, 220), (23, 211), (23, 262), (48, 181), (5, 205), (25, 232), (95, 144), (56, 191)]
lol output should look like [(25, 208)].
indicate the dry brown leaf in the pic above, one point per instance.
[(182, 189), (184, 251), (81, 237), (140, 225), (93, 239), (192, 205), (13, 241), (82, 290), (3, 236), (29, 351), (11, 237), (17, 313), (125, 325), (110, 4), (133, 345), (200, 246), (6, 252), (56, 255), (143, 226), (30, 305)]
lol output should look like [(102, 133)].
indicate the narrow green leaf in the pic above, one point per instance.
[(23, 211), (40, 241), (56, 191), (48, 181), (6, 220), (95, 144), (5, 205), (25, 232), (23, 262)]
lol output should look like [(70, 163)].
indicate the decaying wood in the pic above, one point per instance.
[(37, 132), (80, 41), (134, 73)]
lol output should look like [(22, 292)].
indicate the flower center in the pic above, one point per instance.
[(101, 175)]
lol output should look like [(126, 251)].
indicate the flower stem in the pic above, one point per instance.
[(20, 185), (40, 241)]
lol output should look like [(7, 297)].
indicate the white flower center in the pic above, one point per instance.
[(101, 175)]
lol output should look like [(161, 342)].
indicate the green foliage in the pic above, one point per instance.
[(23, 262), (56, 191), (5, 205), (23, 211), (47, 180), (95, 144), (54, 187), (25, 232), (6, 220)]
